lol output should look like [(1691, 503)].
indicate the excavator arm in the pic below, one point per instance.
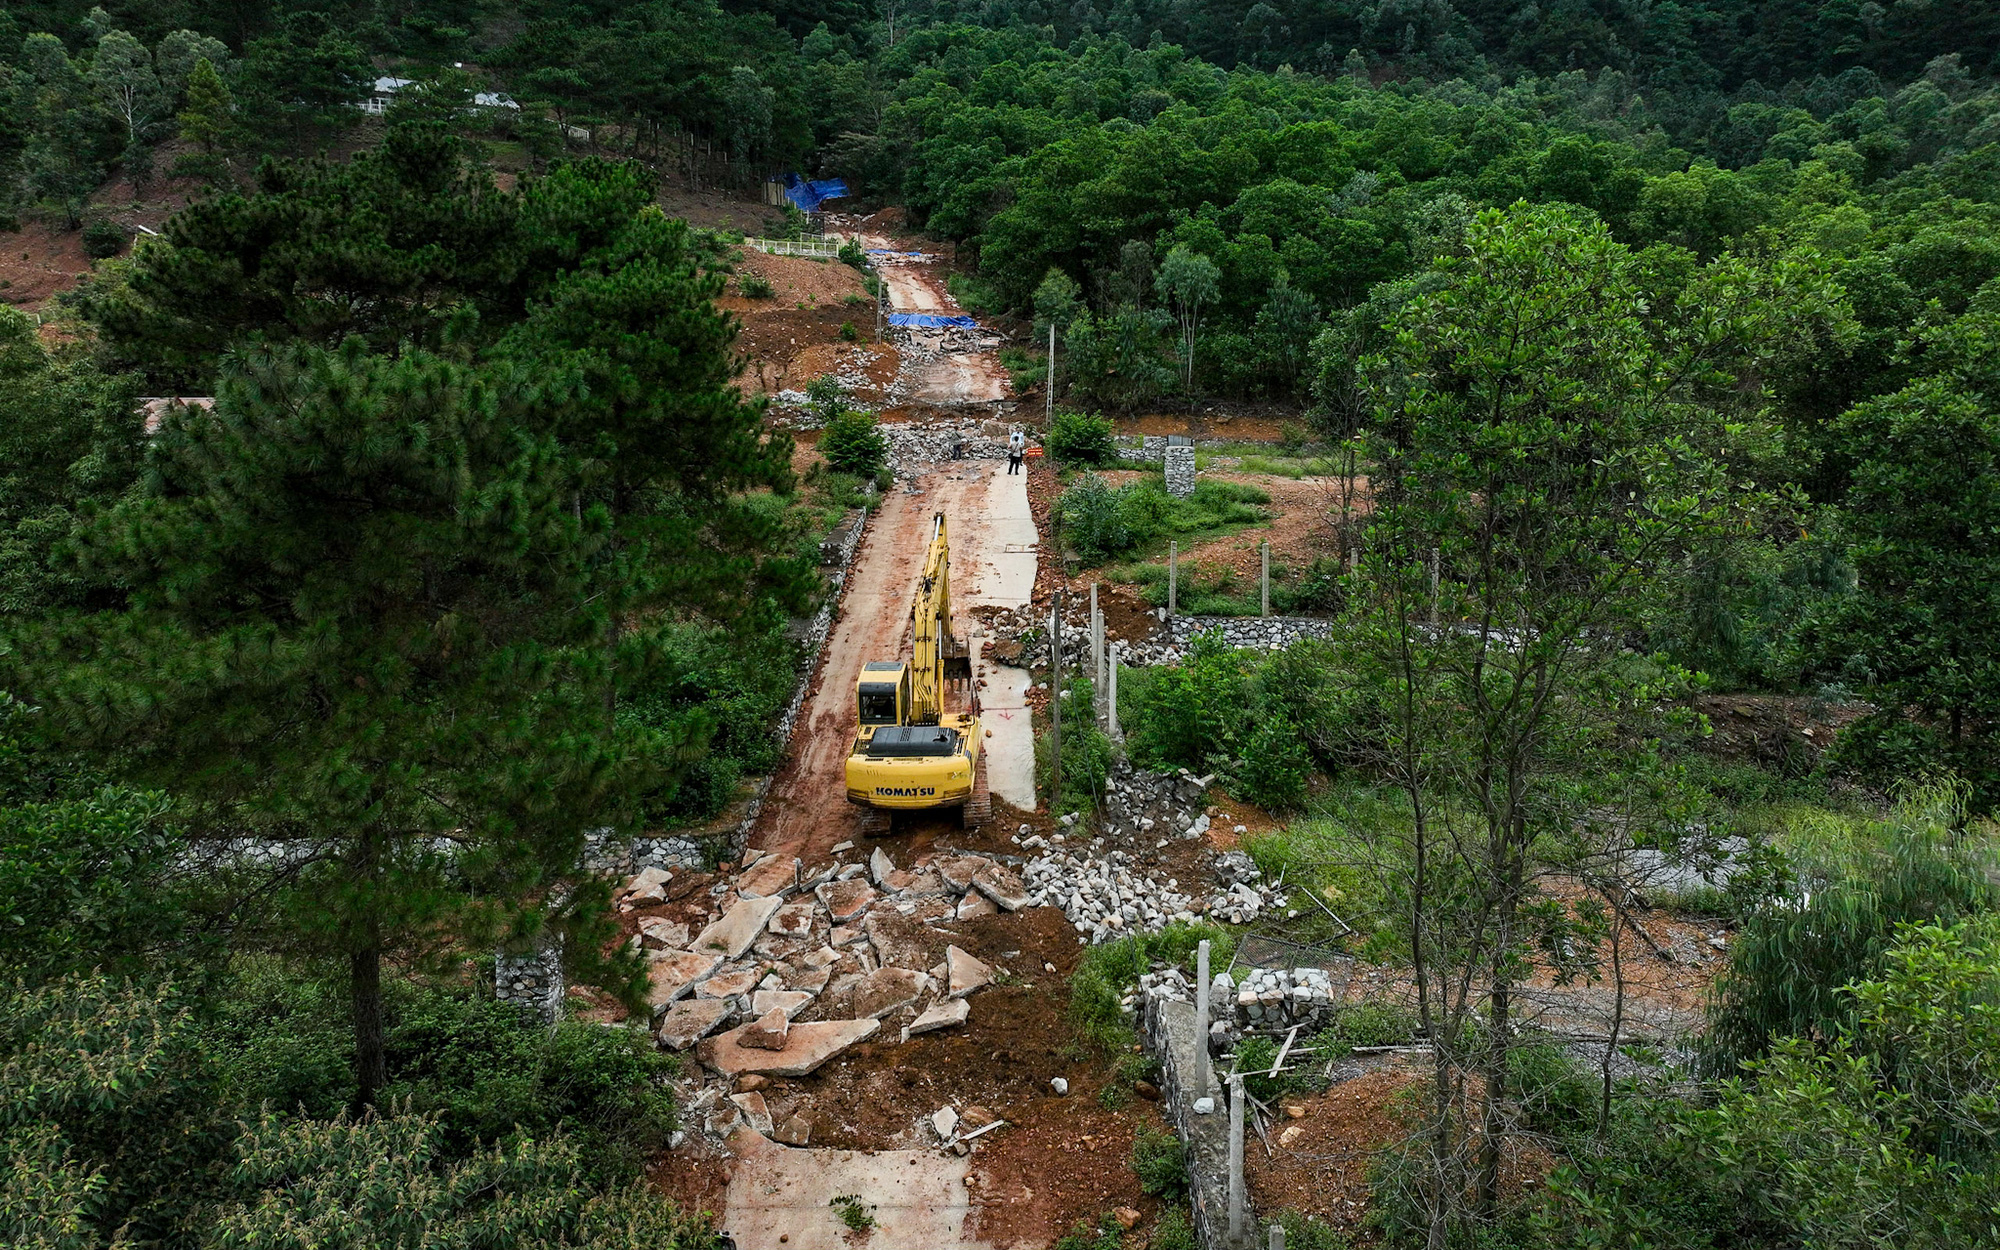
[(937, 657)]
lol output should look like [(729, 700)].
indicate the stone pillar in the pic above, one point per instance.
[(1277, 1237), (532, 978), (1173, 576), (1180, 470), (1264, 578), (1202, 988), (1236, 1158)]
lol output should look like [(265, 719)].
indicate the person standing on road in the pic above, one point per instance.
[(1017, 447)]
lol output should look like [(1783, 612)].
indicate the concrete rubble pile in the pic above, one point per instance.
[(916, 448), (1109, 897), (777, 985)]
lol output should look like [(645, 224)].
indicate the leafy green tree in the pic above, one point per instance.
[(67, 140), (175, 58), (1190, 281), (1548, 446), (122, 78), (1923, 508)]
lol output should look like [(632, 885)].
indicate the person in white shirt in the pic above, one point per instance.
[(1017, 447)]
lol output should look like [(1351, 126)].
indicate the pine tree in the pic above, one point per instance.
[(207, 120)]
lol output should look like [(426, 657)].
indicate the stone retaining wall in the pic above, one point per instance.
[(1169, 1031), (1265, 632), (1178, 464)]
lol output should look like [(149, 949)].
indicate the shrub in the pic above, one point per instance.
[(103, 239), (1101, 522), (1275, 766), (1078, 438), (1370, 1024), (1160, 1163), (1172, 1232), (1106, 971), (754, 287), (848, 332), (852, 444), (852, 253), (1086, 752)]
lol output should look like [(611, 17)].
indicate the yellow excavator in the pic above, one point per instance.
[(910, 754)]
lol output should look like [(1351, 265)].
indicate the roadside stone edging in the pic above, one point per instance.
[(1168, 1027)]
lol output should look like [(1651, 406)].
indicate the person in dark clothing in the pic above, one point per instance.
[(1017, 447)]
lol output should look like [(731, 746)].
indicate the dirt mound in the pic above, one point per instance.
[(794, 280)]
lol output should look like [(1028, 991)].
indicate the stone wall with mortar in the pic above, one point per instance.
[(533, 979), (1170, 1038), (1264, 632)]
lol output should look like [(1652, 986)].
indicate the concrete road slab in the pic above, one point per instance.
[(918, 1198)]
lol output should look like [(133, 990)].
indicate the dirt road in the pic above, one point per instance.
[(933, 373)]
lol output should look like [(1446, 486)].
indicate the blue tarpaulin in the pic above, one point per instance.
[(810, 195), (930, 321)]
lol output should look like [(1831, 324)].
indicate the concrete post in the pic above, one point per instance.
[(1111, 699), (1055, 701), (1173, 575), (1277, 1237), (1434, 587), (1236, 1158), (1264, 579), (1096, 643), (1201, 991)]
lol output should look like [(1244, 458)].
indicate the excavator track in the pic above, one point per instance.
[(979, 808)]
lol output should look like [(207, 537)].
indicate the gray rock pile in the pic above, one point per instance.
[(1110, 897), (1144, 807)]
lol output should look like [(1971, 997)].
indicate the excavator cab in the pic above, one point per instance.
[(882, 695)]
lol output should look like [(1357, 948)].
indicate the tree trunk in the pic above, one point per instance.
[(371, 1064)]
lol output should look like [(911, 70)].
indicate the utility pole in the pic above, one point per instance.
[(1055, 702), (881, 289)]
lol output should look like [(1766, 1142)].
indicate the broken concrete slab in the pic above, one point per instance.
[(919, 1198), (690, 1020), (847, 935), (795, 1131), (738, 927), (824, 957), (674, 973), (944, 1015), (900, 940), (656, 934), (1003, 886), (766, 1032), (791, 1002), (958, 872), (756, 1112), (803, 979), (648, 885), (945, 1121), (886, 990), (846, 900), (880, 866), (731, 982), (963, 973), (973, 906), (794, 920), (807, 1046)]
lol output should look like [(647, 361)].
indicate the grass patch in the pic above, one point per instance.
[(1107, 972), (857, 1215), (1102, 522), (1160, 1163)]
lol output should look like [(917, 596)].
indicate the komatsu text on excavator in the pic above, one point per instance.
[(910, 754)]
